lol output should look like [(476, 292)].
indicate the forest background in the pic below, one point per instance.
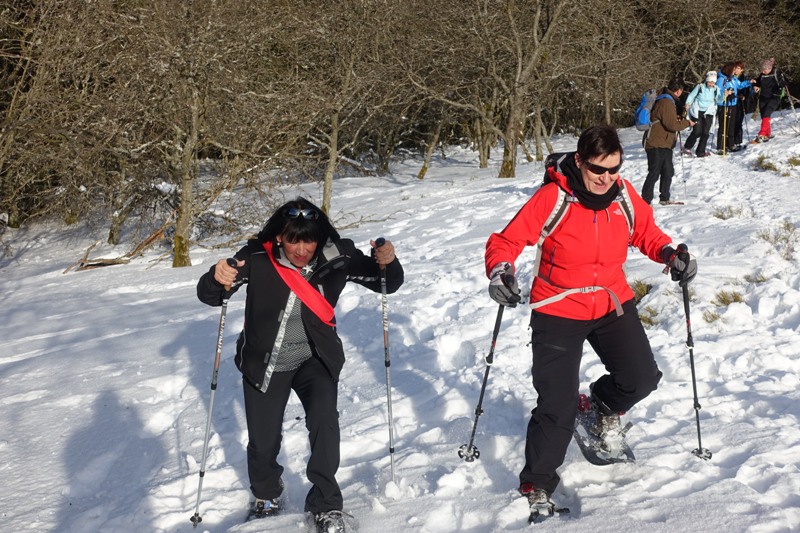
[(147, 119)]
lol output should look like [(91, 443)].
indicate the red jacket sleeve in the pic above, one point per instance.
[(523, 230)]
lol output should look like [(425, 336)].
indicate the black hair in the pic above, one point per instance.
[(675, 84), (599, 140), (317, 230)]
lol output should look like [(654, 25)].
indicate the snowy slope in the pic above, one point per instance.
[(104, 374)]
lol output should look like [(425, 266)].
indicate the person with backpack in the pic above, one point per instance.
[(661, 140), (579, 293), (769, 85), (701, 106), (295, 270), (729, 113)]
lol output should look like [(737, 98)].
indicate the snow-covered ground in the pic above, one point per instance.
[(105, 374)]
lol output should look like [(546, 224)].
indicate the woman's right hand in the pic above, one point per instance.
[(224, 273)]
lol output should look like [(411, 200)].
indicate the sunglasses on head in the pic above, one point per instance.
[(597, 169), (308, 214)]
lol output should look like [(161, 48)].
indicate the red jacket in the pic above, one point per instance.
[(587, 248)]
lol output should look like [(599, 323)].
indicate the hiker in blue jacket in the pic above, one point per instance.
[(701, 106), (729, 114)]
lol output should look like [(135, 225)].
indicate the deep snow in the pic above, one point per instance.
[(105, 373)]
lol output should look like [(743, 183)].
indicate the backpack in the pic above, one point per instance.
[(563, 202), (641, 116)]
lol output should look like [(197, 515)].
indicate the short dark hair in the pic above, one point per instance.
[(675, 84), (299, 228), (599, 140)]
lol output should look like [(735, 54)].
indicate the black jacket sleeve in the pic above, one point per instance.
[(365, 271)]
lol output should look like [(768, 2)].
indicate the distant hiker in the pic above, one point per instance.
[(580, 293), (295, 269), (729, 114), (701, 106), (769, 85), (661, 141)]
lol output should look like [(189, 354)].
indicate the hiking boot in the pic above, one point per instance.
[(704, 154), (264, 508), (329, 522), (687, 151), (608, 426), (538, 499)]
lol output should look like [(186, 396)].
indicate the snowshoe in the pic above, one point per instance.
[(600, 435), (330, 522), (264, 509), (540, 505)]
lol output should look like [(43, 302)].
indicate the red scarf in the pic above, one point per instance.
[(303, 289)]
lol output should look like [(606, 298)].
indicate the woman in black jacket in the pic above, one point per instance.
[(295, 271), (769, 85)]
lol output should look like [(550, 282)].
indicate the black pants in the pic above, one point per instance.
[(264, 412), (699, 134), (659, 168), (623, 348)]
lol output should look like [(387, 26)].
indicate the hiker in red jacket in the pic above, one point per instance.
[(295, 271), (580, 293)]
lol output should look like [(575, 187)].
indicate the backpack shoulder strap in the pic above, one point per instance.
[(553, 220), (624, 199)]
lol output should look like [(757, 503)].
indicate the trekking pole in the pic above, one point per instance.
[(744, 119), (469, 452), (700, 452), (791, 99), (196, 519), (725, 130), (683, 172), (387, 361)]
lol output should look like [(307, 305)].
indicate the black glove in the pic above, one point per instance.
[(503, 286), (682, 267)]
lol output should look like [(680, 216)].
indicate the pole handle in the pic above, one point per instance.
[(380, 241), (231, 263)]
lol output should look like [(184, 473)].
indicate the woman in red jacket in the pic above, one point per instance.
[(580, 293)]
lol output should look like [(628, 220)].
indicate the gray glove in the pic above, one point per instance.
[(682, 267), (503, 286)]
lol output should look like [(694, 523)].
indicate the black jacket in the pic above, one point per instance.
[(267, 295), (769, 96)]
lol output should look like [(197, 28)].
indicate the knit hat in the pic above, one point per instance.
[(767, 64), (711, 76)]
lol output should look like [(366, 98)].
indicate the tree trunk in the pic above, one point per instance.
[(511, 134), (183, 224), (607, 104), (333, 159), (429, 151)]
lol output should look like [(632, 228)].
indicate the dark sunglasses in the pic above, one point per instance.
[(597, 169), (308, 214)]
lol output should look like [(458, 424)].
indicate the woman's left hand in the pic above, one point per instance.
[(383, 254)]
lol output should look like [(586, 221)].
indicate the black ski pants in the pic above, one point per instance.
[(700, 132), (659, 168), (317, 392), (624, 350)]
